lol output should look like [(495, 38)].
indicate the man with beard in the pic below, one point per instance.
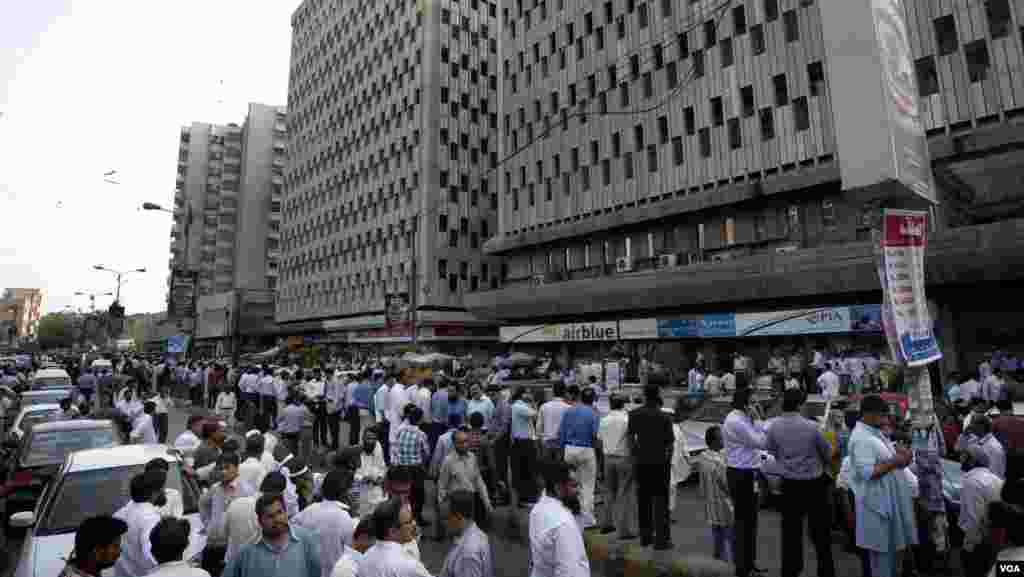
[(213, 506), (461, 472), (282, 550), (556, 541), (141, 515), (97, 546), (471, 555), (393, 525), (369, 474)]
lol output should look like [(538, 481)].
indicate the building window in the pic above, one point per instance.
[(705, 142), (816, 78), (663, 129), (976, 54), (927, 76), (717, 111), (627, 165), (606, 172), (998, 13), (648, 85), (945, 35), (791, 26), (735, 137), (442, 268), (442, 222), (726, 49), (828, 214), (698, 64), (652, 158), (739, 20), (747, 100), (710, 34), (677, 150), (781, 90), (771, 10), (642, 15), (801, 115), (757, 44), (690, 120), (767, 124)]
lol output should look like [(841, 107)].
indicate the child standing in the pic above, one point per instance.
[(714, 489)]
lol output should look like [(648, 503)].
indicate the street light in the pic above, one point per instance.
[(92, 297), (119, 273), (184, 265), (155, 206)]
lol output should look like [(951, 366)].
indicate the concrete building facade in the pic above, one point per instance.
[(228, 201), (388, 191), (680, 158), (20, 311)]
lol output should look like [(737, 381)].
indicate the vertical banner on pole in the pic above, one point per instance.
[(904, 240)]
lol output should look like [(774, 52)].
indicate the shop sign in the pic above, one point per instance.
[(904, 240), (638, 329), (718, 325), (679, 328), (704, 326), (382, 335), (396, 308), (569, 332), (794, 322), (177, 344)]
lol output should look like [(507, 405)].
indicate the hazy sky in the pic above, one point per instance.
[(97, 85)]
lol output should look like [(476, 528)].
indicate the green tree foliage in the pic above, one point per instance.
[(55, 331)]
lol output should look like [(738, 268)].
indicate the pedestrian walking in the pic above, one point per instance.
[(97, 546), (329, 520), (981, 487), (714, 490), (471, 554), (524, 448), (411, 451), (394, 526), (163, 402), (213, 506), (268, 392), (143, 430), (252, 470), (460, 471), (577, 439), (556, 541), (744, 440), (141, 514), (802, 453), (291, 421), (885, 511), (168, 542), (369, 474), (282, 550), (651, 442), (551, 414), (620, 509), (226, 407)]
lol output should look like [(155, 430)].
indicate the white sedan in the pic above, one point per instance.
[(90, 483)]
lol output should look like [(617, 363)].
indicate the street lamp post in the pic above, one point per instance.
[(186, 267), (119, 273), (92, 297)]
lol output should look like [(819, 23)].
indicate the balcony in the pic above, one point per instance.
[(962, 256)]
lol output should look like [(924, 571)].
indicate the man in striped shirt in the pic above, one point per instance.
[(412, 451)]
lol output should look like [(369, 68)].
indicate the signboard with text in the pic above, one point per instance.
[(601, 331), (396, 309), (904, 241)]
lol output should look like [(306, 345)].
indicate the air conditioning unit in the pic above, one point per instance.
[(786, 248), (539, 279), (623, 264), (668, 260), (694, 258)]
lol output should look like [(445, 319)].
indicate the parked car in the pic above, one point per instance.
[(41, 453), (47, 379), (96, 482), (29, 416)]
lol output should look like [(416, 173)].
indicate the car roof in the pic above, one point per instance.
[(54, 372), (40, 408), (72, 425), (121, 456), (46, 392)]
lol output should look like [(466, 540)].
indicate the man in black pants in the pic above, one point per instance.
[(651, 440), (801, 451), (744, 440)]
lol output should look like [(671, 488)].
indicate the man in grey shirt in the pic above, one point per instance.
[(801, 452)]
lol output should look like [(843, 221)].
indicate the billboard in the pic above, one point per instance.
[(873, 87), (569, 332), (904, 241), (397, 309), (183, 292)]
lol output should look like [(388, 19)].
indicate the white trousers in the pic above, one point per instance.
[(584, 460)]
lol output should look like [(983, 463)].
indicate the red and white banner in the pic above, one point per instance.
[(904, 241)]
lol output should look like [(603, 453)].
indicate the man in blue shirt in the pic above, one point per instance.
[(87, 385), (456, 407), (524, 447), (577, 437), (281, 550)]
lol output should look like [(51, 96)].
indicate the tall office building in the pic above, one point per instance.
[(229, 182), (388, 191), (692, 173), (227, 206)]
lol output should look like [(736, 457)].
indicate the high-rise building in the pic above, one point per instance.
[(392, 136), (679, 167), (227, 204)]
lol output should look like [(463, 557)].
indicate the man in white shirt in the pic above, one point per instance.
[(397, 399), (551, 414), (330, 520), (828, 384), (381, 412), (362, 540), (621, 512), (188, 441), (728, 382), (980, 488), (143, 431), (169, 541), (556, 540), (369, 476), (713, 383), (268, 399), (422, 400), (141, 515), (394, 526), (163, 402), (252, 470), (129, 406)]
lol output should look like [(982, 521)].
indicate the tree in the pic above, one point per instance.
[(55, 331)]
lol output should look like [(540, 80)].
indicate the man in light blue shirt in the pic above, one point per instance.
[(524, 447), (744, 441), (471, 554), (478, 403), (282, 550)]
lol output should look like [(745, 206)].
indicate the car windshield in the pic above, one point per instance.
[(85, 494), (35, 417), (49, 397), (51, 383), (713, 412), (51, 447)]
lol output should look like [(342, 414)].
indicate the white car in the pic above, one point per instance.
[(95, 482), (46, 379), (30, 415), (102, 364)]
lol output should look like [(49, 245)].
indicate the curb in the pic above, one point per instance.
[(610, 557)]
